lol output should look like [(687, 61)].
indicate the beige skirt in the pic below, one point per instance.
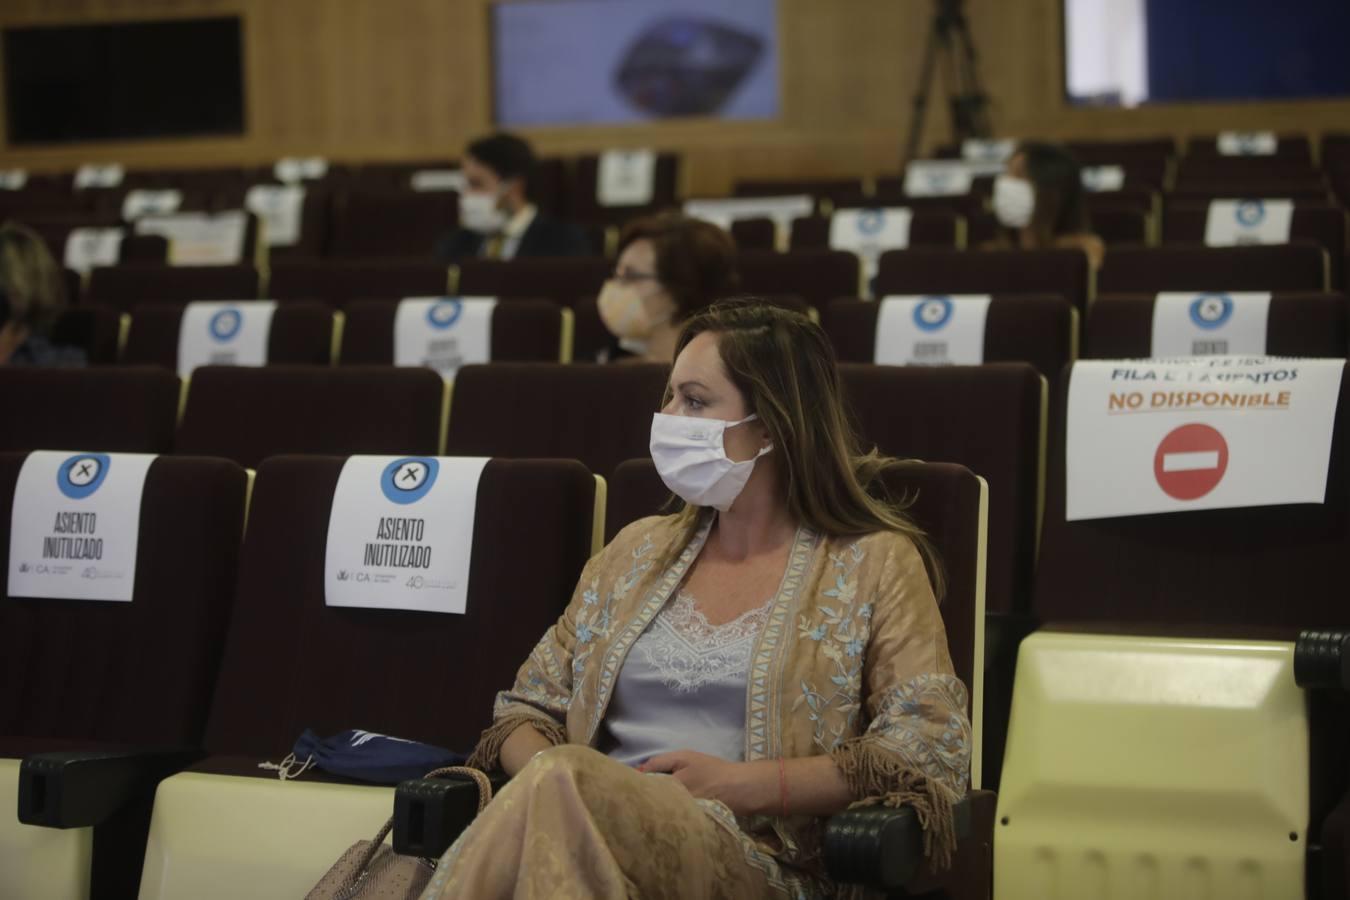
[(576, 824)]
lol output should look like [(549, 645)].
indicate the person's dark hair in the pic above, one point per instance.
[(695, 260), (505, 154), (1060, 205), (785, 368), (31, 283)]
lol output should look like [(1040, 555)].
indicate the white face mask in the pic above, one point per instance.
[(1014, 201), (478, 211), (691, 459)]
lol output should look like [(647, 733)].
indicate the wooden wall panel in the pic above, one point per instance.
[(391, 79)]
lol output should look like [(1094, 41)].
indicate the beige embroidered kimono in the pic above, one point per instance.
[(852, 662)]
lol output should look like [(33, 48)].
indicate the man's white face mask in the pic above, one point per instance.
[(481, 211)]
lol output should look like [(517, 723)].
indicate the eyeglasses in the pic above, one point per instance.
[(628, 276)]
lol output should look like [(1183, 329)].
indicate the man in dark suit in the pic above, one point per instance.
[(497, 219)]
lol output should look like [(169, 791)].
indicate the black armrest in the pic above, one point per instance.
[(81, 789), (429, 813), (882, 846), (1322, 660)]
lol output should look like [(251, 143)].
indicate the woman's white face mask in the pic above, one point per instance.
[(691, 458), (1014, 201)]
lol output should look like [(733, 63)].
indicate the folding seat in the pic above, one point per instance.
[(111, 693), (247, 414), (1113, 226), (932, 271), (754, 234), (548, 186), (123, 287), (399, 176), (295, 218), (588, 203), (1120, 326), (338, 282), (834, 191), (299, 333), (1298, 266), (1186, 223), (756, 223), (562, 279), (521, 331), (224, 827), (890, 191), (865, 846), (941, 228), (1159, 745), (406, 224), (594, 343), (1040, 329), (1284, 148), (600, 415), (1125, 151), (1144, 172), (130, 410), (817, 276), (1301, 191), (95, 329)]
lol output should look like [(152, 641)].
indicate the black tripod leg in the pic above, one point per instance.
[(921, 95)]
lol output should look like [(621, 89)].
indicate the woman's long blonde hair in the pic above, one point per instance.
[(30, 279), (785, 368)]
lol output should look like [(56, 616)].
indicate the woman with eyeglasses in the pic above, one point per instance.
[(670, 267)]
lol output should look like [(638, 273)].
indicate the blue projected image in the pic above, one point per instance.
[(595, 61)]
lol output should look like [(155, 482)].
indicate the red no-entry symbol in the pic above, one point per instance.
[(1190, 461)]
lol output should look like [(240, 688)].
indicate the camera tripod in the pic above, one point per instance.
[(949, 38)]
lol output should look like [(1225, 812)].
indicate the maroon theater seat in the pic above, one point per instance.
[(930, 271), (522, 331), (301, 334), (337, 282), (1120, 326), (1277, 267), (584, 204), (126, 286), (391, 224), (125, 410), (248, 414), (939, 228), (1031, 328), (817, 276), (600, 415), (561, 279)]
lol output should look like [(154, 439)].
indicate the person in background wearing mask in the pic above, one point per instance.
[(646, 760), (1039, 201), (32, 297), (496, 218), (670, 267)]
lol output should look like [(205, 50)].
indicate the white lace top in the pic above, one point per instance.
[(682, 686)]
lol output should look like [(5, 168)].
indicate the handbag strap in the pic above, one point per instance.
[(484, 798)]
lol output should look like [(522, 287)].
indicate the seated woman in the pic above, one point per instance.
[(670, 267), (727, 676), (32, 297), (1039, 202)]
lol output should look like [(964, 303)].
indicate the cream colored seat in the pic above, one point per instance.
[(1158, 768)]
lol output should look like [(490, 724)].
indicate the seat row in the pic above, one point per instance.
[(1107, 594)]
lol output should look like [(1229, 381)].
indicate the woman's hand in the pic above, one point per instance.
[(747, 788)]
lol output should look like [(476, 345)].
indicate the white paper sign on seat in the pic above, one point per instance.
[(443, 333), (99, 175), (75, 525), (1210, 324), (1247, 143), (626, 178), (200, 239), (292, 169), (987, 149), (438, 180), (278, 207), (90, 247), (224, 333), (931, 330), (1209, 432), (400, 534), (1103, 178), (1231, 223), (780, 210), (870, 233), (13, 179), (140, 203)]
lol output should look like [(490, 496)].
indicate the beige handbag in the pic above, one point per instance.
[(370, 870)]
